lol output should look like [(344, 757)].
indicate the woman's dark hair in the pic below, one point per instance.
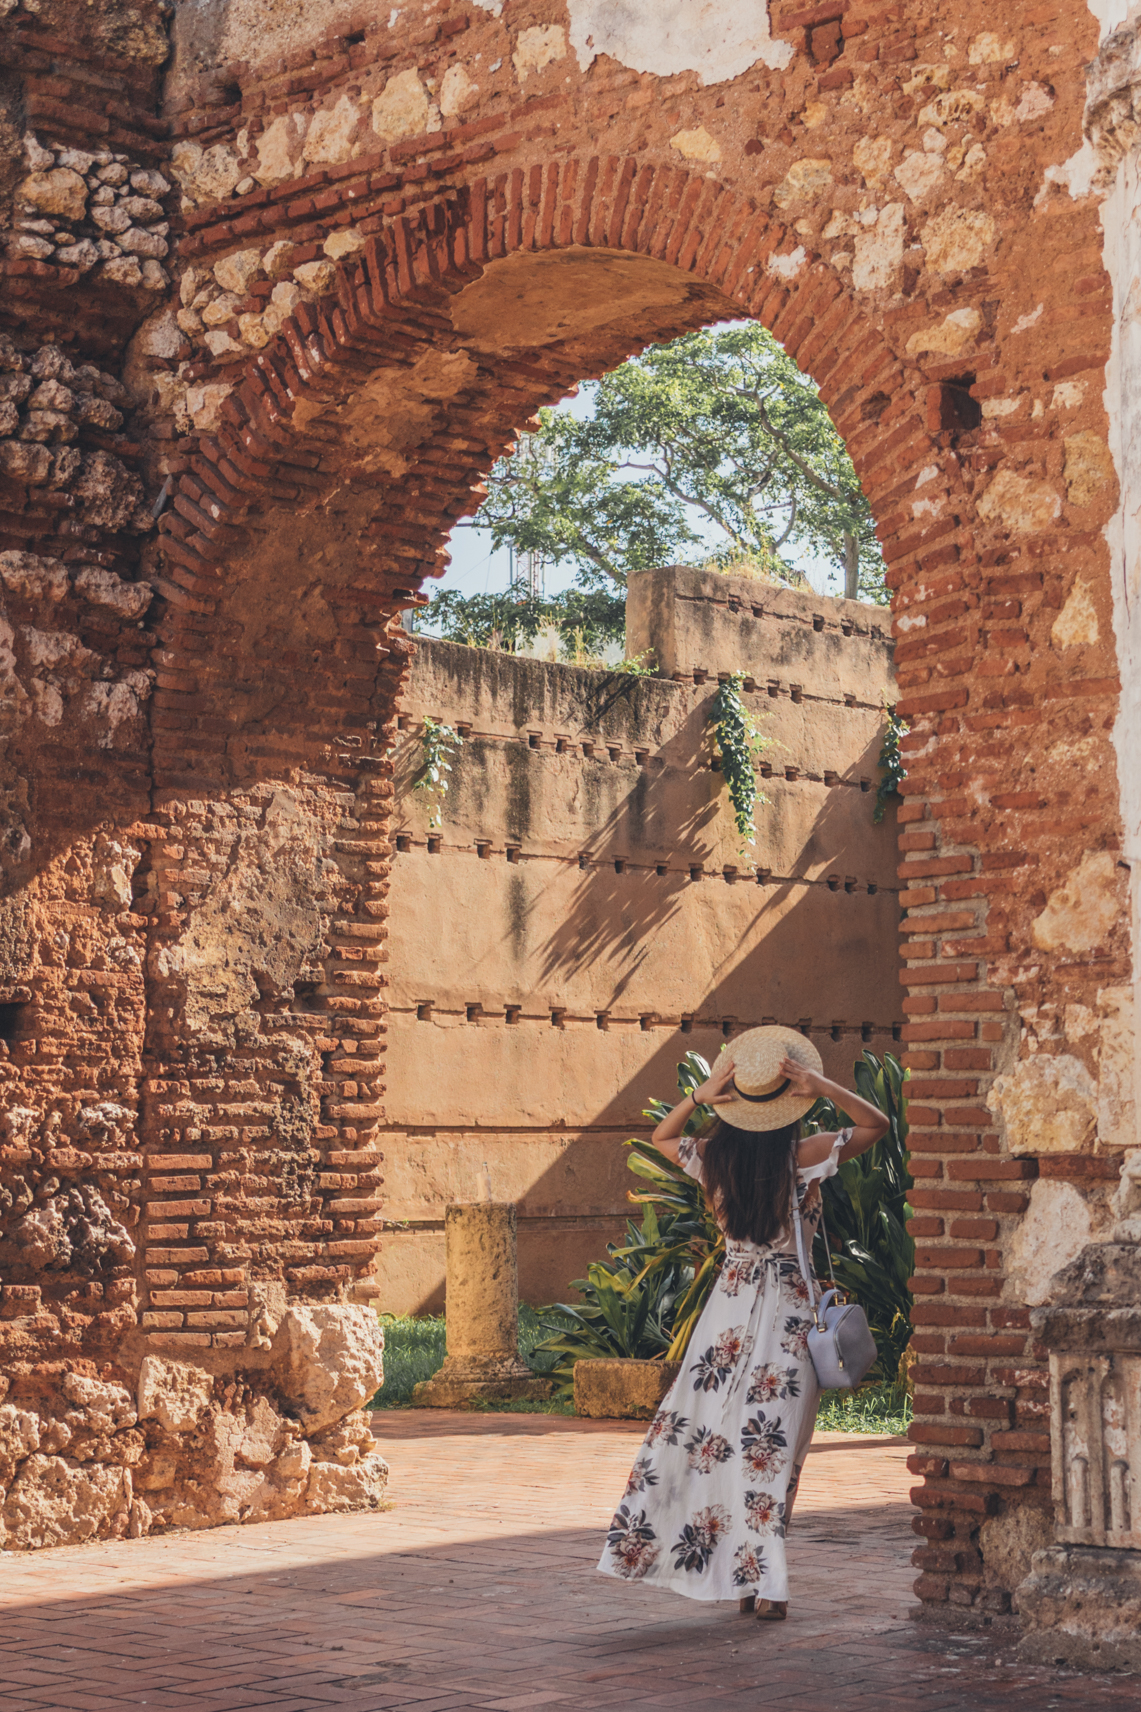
[(748, 1179)]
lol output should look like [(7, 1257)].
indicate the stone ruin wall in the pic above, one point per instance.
[(586, 895), (393, 234)]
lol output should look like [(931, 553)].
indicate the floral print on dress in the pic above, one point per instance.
[(770, 1382), (763, 1446), (665, 1426), (706, 1449), (632, 1543), (700, 1538), (715, 1366), (748, 1566), (641, 1476), (793, 1279), (764, 1513), (740, 1272), (694, 1520), (795, 1339)]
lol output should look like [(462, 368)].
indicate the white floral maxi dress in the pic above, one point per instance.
[(704, 1509)]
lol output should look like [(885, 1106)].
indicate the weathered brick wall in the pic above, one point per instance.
[(396, 236), (582, 909)]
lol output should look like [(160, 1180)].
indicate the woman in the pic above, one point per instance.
[(710, 1497)]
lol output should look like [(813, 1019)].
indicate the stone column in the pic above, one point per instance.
[(1081, 1602), (482, 1307)]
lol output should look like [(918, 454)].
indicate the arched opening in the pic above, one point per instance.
[(338, 465), (573, 908)]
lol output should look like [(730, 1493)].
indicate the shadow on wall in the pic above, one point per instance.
[(785, 978), (608, 918)]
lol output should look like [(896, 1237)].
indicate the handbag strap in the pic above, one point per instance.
[(805, 1267)]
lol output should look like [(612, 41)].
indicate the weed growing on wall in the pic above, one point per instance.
[(890, 763), (739, 741), (439, 743)]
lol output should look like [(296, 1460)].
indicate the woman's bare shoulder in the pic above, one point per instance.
[(814, 1149)]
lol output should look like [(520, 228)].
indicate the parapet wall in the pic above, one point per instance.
[(585, 912)]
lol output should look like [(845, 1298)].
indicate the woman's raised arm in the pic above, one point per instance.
[(868, 1123), (711, 1093)]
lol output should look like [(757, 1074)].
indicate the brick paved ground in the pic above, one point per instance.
[(478, 1591)]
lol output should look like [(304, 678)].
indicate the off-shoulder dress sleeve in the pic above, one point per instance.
[(827, 1167), (689, 1158)]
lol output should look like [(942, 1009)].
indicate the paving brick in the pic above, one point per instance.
[(477, 1593)]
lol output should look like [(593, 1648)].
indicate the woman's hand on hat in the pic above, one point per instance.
[(713, 1092), (801, 1079)]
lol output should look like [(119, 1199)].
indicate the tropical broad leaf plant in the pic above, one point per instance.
[(866, 1212), (644, 1302)]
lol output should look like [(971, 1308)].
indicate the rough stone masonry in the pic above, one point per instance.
[(281, 280)]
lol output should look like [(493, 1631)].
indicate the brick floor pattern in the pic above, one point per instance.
[(477, 1590)]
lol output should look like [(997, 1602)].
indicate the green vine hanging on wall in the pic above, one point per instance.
[(890, 763), (739, 742), (439, 743)]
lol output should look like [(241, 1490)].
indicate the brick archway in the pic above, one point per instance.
[(280, 446), (966, 380), (393, 298)]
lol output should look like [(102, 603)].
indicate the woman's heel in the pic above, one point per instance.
[(771, 1610), (746, 1605)]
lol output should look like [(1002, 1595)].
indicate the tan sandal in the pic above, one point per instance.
[(771, 1610)]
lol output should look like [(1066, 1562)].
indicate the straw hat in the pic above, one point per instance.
[(763, 1097)]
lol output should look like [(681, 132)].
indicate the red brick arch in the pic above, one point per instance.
[(277, 453), (292, 536), (391, 299)]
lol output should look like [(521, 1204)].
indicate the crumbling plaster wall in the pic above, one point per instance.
[(585, 896), (389, 233)]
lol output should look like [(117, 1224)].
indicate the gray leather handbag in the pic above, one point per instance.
[(840, 1344)]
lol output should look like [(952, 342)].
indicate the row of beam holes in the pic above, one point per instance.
[(513, 853), (592, 750), (648, 1021), (563, 745), (846, 626), (773, 687)]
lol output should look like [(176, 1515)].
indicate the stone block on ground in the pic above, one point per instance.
[(620, 1389), (54, 1502), (332, 1486), (329, 1361), (1082, 1607)]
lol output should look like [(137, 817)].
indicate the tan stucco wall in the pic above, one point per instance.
[(621, 958)]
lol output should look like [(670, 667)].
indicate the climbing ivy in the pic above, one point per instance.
[(439, 743), (890, 762), (739, 742)]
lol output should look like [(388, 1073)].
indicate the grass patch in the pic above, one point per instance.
[(871, 1409), (415, 1346)]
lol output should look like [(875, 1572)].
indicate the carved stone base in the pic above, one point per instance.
[(467, 1379), (1081, 1605)]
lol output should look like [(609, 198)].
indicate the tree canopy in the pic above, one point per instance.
[(714, 448)]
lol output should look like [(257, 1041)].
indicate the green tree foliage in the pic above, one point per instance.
[(716, 437)]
